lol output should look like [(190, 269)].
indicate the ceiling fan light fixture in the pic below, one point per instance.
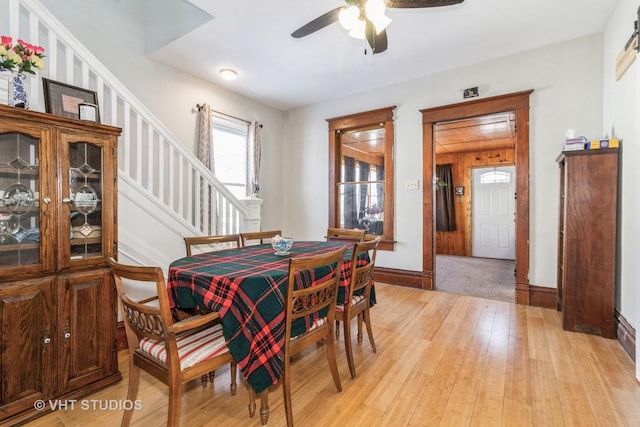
[(348, 17), (357, 32), (375, 13), (371, 21), (228, 74), (380, 22), (374, 8)]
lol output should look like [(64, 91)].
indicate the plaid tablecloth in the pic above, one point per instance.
[(246, 286)]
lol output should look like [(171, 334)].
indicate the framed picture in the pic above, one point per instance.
[(64, 100), (88, 112)]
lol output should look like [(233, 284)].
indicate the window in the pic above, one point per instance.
[(361, 192), (494, 177), (229, 154), (361, 173)]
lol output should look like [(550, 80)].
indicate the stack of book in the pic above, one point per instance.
[(578, 143)]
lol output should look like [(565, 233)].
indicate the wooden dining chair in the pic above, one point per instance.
[(258, 237), (207, 244), (306, 301), (360, 282), (211, 243), (172, 352), (344, 235)]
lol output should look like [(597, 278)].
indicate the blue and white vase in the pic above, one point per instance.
[(17, 92), (5, 77)]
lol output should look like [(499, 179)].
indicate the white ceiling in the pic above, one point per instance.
[(253, 37)]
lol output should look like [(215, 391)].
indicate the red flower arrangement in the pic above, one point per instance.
[(22, 57)]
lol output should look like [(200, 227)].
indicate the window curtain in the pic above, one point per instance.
[(208, 217), (445, 211), (364, 188), (254, 150), (204, 135), (350, 213)]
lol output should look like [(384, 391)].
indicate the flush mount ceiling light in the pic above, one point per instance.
[(366, 19), (228, 74)]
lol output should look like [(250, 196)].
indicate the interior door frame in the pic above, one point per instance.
[(518, 102)]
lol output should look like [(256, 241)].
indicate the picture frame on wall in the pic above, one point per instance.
[(64, 100)]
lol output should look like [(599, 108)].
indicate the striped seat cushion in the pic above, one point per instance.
[(316, 323), (193, 346), (354, 300)]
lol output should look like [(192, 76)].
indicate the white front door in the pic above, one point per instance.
[(493, 212)]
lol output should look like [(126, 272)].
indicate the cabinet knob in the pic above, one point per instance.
[(46, 339), (47, 200), (66, 333), (66, 200)]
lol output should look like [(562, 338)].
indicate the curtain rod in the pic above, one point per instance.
[(199, 107)]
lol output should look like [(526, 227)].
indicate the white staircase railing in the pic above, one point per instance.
[(150, 157)]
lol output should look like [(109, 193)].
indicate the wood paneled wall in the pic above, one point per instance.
[(372, 159), (458, 242)]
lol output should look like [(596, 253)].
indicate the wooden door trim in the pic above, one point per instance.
[(518, 102)]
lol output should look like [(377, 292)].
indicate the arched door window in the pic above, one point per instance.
[(494, 177)]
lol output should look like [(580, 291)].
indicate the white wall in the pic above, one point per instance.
[(567, 83), (621, 103), (112, 32)]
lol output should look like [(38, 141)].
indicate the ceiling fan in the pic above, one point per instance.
[(365, 19)]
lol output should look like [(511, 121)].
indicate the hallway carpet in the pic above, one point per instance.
[(481, 277)]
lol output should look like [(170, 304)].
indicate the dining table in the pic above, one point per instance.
[(247, 287)]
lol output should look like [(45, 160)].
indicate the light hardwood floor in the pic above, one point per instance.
[(442, 360)]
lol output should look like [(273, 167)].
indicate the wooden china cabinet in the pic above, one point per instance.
[(587, 240), (58, 195)]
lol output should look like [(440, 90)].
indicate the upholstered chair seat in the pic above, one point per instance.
[(194, 347)]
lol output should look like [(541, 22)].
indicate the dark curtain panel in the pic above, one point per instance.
[(445, 211), (364, 188), (350, 212)]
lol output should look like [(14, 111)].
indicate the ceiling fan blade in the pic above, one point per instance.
[(378, 42), (381, 42), (317, 24), (406, 4)]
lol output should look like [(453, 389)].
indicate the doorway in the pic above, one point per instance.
[(519, 104), (475, 239)]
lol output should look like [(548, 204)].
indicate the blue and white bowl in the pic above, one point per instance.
[(281, 245)]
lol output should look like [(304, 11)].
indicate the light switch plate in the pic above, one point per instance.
[(413, 184)]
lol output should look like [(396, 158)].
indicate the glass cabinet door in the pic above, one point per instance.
[(85, 200), (19, 200)]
